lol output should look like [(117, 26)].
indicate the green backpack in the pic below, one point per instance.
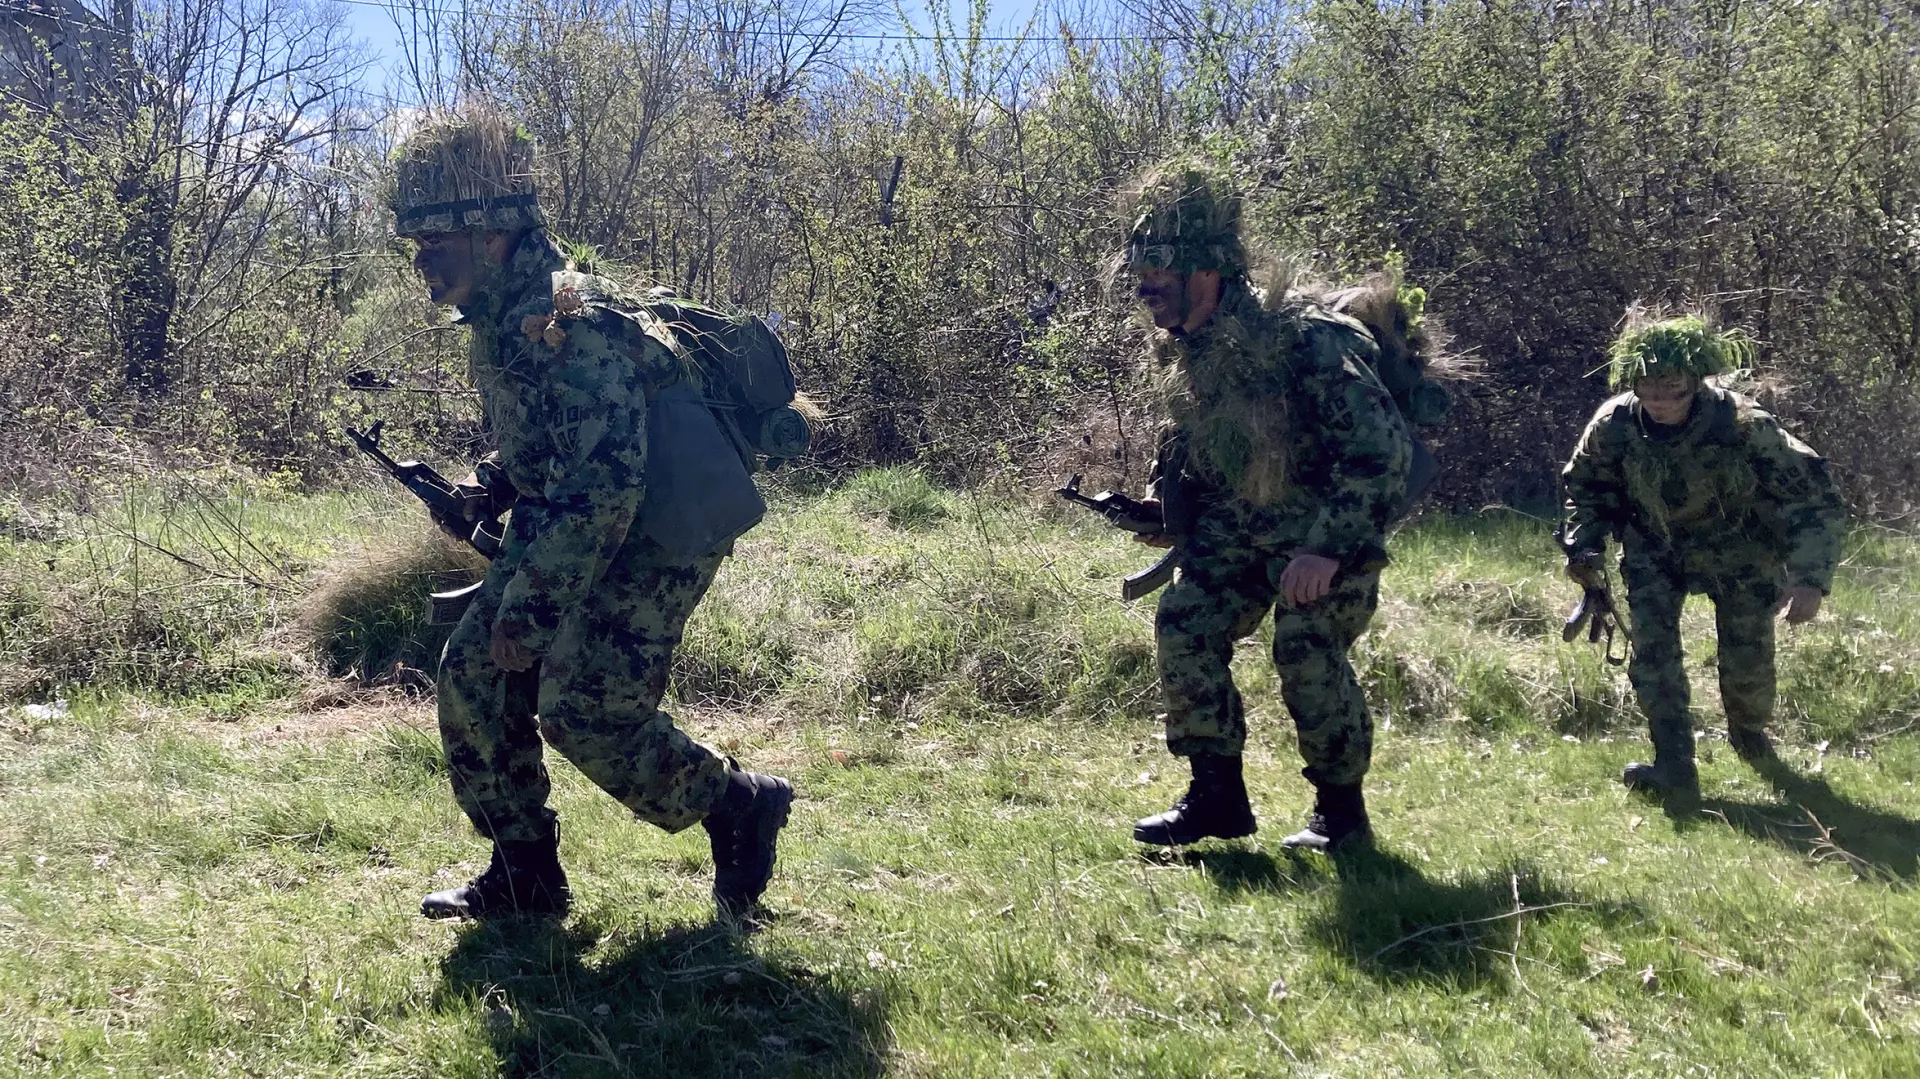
[(743, 366), (748, 376)]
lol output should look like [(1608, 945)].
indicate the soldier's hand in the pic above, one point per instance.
[(473, 498), (1307, 578), (1151, 507), (459, 530), (1801, 603), (1585, 573), (508, 653)]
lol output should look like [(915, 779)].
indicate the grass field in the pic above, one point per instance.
[(212, 860)]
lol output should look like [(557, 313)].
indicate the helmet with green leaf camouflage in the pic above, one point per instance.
[(1184, 216), (465, 170), (1655, 347)]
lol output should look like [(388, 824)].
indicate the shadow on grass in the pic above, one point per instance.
[(687, 1002), (1241, 869), (1397, 924), (1814, 820)]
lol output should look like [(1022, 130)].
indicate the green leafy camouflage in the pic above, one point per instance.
[(1687, 345), (1184, 216), (472, 169)]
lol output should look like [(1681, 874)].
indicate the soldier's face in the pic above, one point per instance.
[(447, 262), (1165, 294), (1667, 399)]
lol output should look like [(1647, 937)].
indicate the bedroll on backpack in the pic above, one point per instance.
[(748, 376)]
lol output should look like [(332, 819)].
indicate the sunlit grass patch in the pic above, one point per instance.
[(967, 709)]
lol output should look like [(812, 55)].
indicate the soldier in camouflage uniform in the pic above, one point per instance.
[(1707, 494), (1284, 461), (578, 616)]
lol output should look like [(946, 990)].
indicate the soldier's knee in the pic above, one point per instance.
[(567, 728)]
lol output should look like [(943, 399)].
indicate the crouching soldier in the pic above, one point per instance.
[(1708, 495), (607, 552), (1282, 464)]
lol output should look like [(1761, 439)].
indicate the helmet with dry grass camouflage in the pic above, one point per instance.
[(1185, 216), (471, 169)]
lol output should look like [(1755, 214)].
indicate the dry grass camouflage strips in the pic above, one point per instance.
[(471, 170)]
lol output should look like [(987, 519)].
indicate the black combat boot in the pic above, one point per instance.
[(1750, 743), (1339, 816), (1214, 807), (523, 878), (1661, 777), (744, 827), (1672, 770)]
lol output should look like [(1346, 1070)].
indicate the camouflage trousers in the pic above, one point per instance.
[(597, 697), (1744, 592), (1218, 598)]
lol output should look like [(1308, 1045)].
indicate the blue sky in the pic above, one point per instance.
[(370, 21)]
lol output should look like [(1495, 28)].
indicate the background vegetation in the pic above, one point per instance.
[(195, 262)]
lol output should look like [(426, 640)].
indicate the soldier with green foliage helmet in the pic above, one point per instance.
[(572, 632), (1282, 463), (1707, 494)]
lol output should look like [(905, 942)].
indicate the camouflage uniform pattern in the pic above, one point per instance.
[(1348, 458), (564, 386), (1727, 504)]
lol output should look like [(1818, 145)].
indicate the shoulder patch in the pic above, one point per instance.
[(564, 430)]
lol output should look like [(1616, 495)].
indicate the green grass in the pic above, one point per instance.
[(229, 889)]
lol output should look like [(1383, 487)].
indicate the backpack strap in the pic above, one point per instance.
[(583, 295)]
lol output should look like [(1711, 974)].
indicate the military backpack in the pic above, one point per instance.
[(748, 376), (1420, 400)]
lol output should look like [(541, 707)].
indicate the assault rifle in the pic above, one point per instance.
[(466, 510), (1597, 616), (1134, 516)]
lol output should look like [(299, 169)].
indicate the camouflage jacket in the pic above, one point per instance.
[(1348, 448), (1729, 482), (564, 389)]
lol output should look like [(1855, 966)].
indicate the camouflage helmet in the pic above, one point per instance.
[(1184, 216), (1652, 346), (472, 169)]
